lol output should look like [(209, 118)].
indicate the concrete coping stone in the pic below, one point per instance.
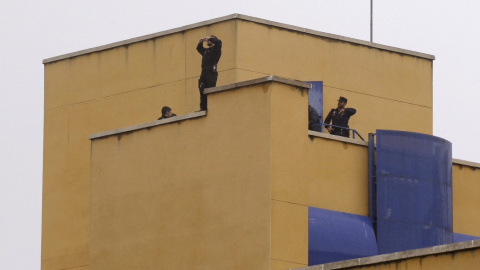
[(173, 119), (403, 255), (270, 78), (466, 163), (336, 138), (244, 18), (364, 143)]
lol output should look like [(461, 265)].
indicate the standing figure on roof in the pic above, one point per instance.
[(210, 58), (339, 118)]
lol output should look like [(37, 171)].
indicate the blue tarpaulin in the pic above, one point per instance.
[(336, 236), (315, 99), (414, 191)]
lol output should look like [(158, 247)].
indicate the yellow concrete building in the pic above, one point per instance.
[(230, 188)]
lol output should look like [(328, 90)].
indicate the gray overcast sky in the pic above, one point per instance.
[(34, 30)]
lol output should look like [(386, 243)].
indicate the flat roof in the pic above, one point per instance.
[(244, 18)]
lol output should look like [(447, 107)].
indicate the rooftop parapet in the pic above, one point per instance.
[(244, 18), (434, 258)]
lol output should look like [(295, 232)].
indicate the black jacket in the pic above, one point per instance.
[(338, 119), (211, 55)]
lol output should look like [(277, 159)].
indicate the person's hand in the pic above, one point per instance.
[(330, 129), (341, 111)]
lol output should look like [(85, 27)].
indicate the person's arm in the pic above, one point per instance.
[(328, 119), (350, 111), (200, 48)]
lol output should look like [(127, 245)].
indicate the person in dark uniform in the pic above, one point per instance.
[(313, 119), (166, 113), (210, 58), (339, 117)]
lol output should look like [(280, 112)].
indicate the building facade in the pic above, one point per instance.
[(229, 188)]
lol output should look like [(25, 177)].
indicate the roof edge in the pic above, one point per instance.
[(140, 38), (336, 37), (402, 255), (270, 78), (466, 163), (240, 17), (173, 119)]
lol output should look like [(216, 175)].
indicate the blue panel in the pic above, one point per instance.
[(336, 236), (315, 99), (414, 191), (458, 237), (372, 180)]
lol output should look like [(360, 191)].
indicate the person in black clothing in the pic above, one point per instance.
[(166, 113), (210, 58), (340, 117), (313, 119)]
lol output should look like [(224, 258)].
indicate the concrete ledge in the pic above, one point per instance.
[(365, 143), (386, 258), (336, 138), (147, 125), (240, 17), (466, 163), (269, 78)]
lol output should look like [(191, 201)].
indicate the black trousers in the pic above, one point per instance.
[(208, 78), (341, 132)]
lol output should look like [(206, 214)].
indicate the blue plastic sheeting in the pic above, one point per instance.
[(336, 236), (458, 237), (315, 99), (414, 191)]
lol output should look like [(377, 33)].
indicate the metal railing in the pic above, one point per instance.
[(354, 130)]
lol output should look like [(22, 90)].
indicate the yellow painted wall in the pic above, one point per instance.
[(129, 84), (466, 200), (287, 171), (187, 195), (105, 90), (254, 139), (389, 90)]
